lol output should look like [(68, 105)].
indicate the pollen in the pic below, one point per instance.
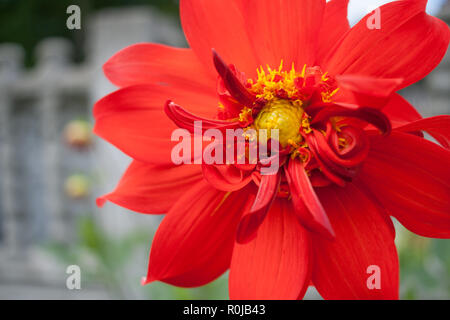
[(283, 115), (245, 115), (281, 98), (290, 84)]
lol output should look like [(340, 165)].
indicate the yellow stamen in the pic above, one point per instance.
[(221, 203), (245, 114), (270, 83)]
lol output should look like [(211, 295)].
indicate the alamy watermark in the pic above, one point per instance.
[(239, 146), (373, 21), (73, 281), (73, 22), (374, 280)]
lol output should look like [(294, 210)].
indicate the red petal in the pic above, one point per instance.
[(438, 127), (366, 91), (194, 243), (146, 63), (225, 177), (186, 120), (367, 114), (408, 45), (335, 25), (276, 264), (363, 239), (218, 24), (133, 119), (410, 176), (284, 30), (399, 111), (303, 195), (154, 189), (232, 83), (356, 154), (267, 192)]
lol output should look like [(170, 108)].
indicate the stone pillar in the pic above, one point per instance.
[(11, 59), (53, 56)]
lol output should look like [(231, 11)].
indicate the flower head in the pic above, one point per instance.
[(351, 151)]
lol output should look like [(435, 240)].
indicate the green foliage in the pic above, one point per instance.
[(105, 259), (424, 266), (101, 257)]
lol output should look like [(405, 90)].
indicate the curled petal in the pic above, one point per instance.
[(369, 115), (337, 178), (133, 119), (306, 203), (225, 177), (186, 120), (250, 222), (232, 82), (359, 146), (326, 162), (231, 107)]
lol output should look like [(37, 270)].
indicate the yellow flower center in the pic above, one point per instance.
[(281, 98), (284, 115)]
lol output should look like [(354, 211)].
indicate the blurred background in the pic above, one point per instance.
[(52, 168)]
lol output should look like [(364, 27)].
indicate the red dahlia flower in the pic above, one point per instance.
[(352, 149)]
